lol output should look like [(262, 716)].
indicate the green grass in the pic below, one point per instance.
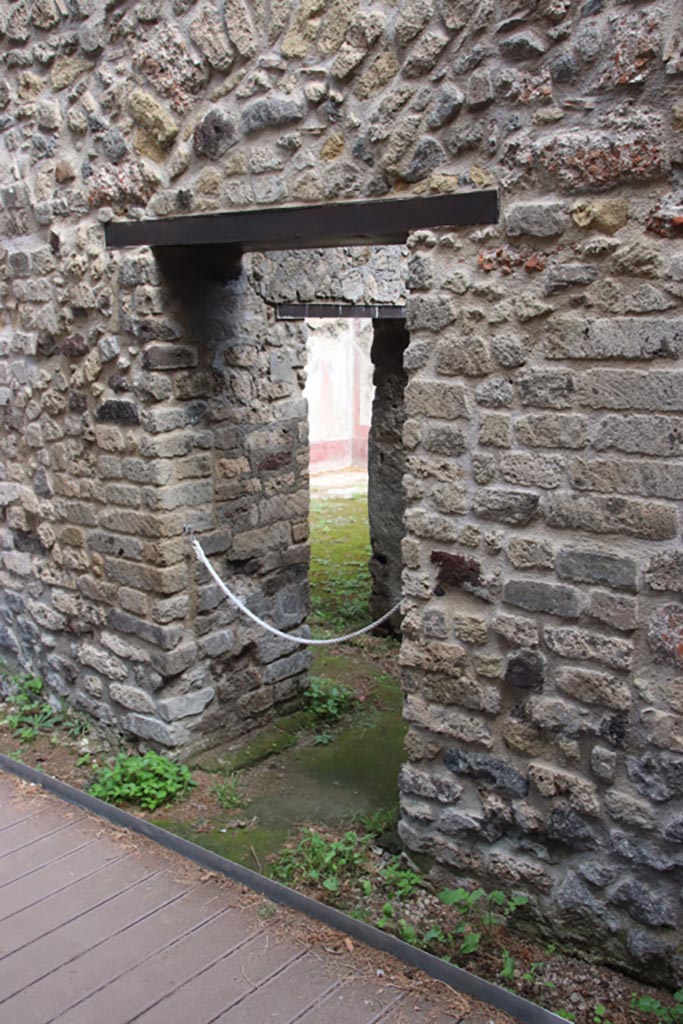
[(339, 574)]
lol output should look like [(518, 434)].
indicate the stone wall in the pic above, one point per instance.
[(542, 577)]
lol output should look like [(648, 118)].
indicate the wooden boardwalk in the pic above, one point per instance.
[(102, 925)]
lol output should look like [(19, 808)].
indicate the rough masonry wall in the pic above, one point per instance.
[(543, 578)]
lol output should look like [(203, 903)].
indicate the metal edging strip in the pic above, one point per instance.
[(457, 977)]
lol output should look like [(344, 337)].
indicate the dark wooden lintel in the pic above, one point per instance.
[(373, 222), (337, 310)]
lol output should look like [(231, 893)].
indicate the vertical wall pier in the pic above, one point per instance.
[(386, 466)]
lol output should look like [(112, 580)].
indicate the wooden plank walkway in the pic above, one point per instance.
[(99, 924)]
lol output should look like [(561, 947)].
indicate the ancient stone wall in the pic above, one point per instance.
[(542, 573)]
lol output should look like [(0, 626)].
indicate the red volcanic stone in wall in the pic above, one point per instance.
[(666, 218), (665, 633), (581, 161)]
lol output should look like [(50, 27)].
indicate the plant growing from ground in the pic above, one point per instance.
[(328, 700), (479, 913), (227, 792), (654, 1008), (323, 861), (149, 781), (400, 880), (30, 713)]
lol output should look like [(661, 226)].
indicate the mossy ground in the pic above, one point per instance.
[(289, 777)]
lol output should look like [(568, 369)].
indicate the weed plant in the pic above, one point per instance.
[(30, 713), (328, 700), (323, 861), (148, 781), (227, 792)]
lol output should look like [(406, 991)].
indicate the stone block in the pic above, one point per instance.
[(491, 772), (641, 435), (665, 634), (153, 117), (552, 782), (663, 729), (594, 687), (443, 438), (186, 704), (432, 784), (541, 219), (583, 566), (655, 390), (603, 763), (516, 631), (650, 906), (614, 338), (117, 411), (535, 596), (665, 571), (272, 112), (525, 553), (622, 476), (515, 508), (495, 430), (614, 610), (628, 809), (634, 518), (169, 357), (526, 670), (569, 275), (435, 399), (133, 698), (430, 313), (445, 721), (175, 661), (547, 389), (657, 775), (571, 829), (467, 356), (165, 637), (148, 728), (495, 393), (103, 661), (532, 470)]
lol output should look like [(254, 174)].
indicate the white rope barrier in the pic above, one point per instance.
[(304, 641)]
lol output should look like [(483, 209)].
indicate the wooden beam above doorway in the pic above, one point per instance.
[(372, 222)]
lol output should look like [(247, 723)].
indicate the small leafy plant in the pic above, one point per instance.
[(149, 781), (328, 700), (31, 713), (651, 1006), (478, 913), (323, 861), (227, 792), (401, 881)]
